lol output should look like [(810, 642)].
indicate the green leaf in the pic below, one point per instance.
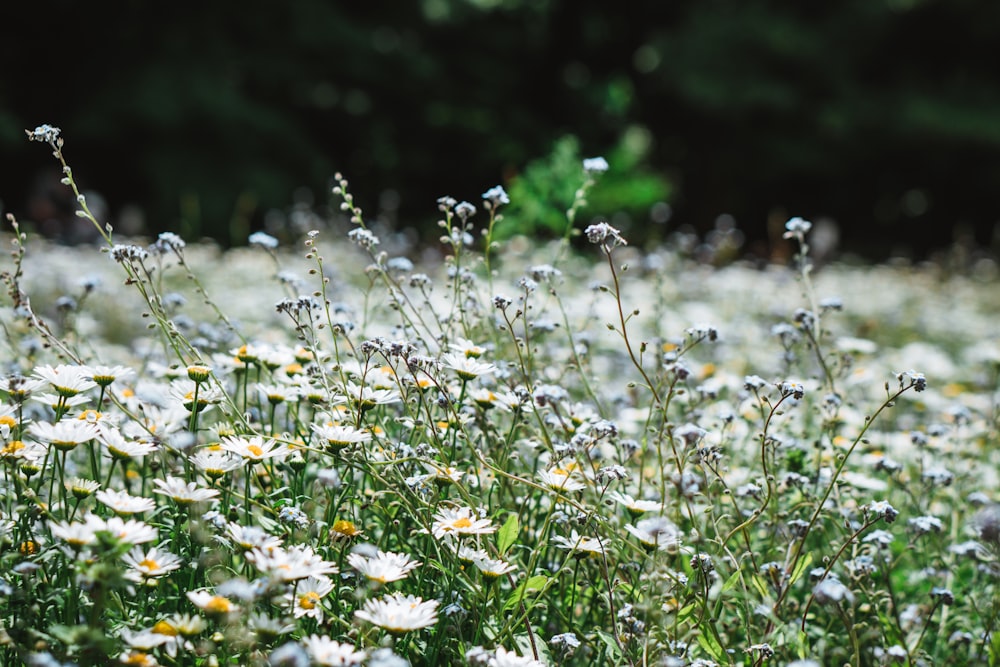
[(711, 646), (614, 651), (731, 581), (800, 568), (507, 534), (532, 586)]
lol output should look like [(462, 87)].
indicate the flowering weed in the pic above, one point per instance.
[(515, 456)]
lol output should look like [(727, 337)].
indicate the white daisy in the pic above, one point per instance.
[(296, 562), (305, 600), (461, 521), (255, 448), (399, 613), (66, 380), (183, 493), (150, 564), (329, 653), (383, 567), (123, 503)]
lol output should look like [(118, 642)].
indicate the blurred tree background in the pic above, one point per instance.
[(217, 118)]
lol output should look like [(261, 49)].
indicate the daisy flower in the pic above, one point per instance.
[(306, 596), (467, 348), (383, 567), (657, 533), (505, 658), (585, 546), (183, 493), (60, 402), (123, 503), (21, 388), (329, 653), (486, 399), (252, 537), (82, 488), (67, 381), (131, 531), (187, 392), (63, 435), (277, 393), (77, 534), (492, 568), (215, 464), (146, 565), (105, 375), (560, 480), (461, 521), (296, 562), (337, 437), (399, 613), (213, 605), (120, 448), (468, 555), (366, 398), (635, 507), (255, 448), (465, 367)]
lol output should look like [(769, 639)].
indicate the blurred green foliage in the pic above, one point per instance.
[(544, 191)]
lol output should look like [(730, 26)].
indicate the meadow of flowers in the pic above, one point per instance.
[(324, 452)]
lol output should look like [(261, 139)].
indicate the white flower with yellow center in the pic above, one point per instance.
[(306, 596), (296, 562), (213, 605), (467, 368), (383, 566), (467, 348), (251, 537), (183, 493), (216, 464), (123, 503), (77, 534), (635, 507), (492, 568), (255, 448), (63, 435), (581, 544), (130, 531), (399, 613), (337, 436), (461, 521), (329, 653), (560, 479), (146, 565), (67, 381), (657, 533), (105, 375)]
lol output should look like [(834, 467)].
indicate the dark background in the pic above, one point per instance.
[(218, 118)]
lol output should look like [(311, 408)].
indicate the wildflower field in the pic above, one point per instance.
[(323, 452)]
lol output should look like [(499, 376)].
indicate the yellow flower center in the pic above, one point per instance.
[(164, 628), (12, 447), (309, 600), (7, 420), (463, 522), (149, 564), (346, 528), (219, 605), (255, 450)]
